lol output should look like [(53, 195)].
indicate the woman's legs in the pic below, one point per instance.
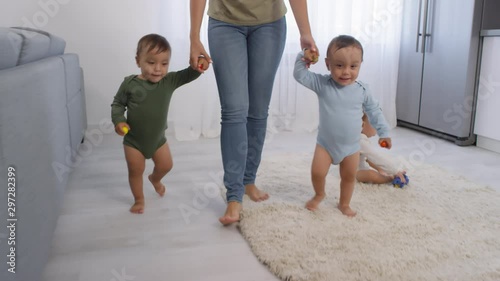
[(228, 49), (243, 56), (265, 45)]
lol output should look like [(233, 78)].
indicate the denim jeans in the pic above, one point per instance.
[(245, 61)]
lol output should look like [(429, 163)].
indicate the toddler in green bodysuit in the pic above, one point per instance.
[(146, 98)]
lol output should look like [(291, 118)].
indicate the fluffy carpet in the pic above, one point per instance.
[(439, 227)]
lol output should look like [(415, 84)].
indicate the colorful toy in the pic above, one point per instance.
[(125, 130), (315, 58), (311, 56), (202, 63), (398, 183), (384, 144)]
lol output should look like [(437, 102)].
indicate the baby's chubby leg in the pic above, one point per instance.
[(136, 164), (319, 169), (348, 168), (162, 159), (372, 176)]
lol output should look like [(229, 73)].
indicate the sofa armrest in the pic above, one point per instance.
[(24, 45)]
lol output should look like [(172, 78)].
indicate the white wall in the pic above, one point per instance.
[(103, 33), (11, 12), (488, 100)]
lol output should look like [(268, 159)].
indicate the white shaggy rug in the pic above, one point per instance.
[(440, 227)]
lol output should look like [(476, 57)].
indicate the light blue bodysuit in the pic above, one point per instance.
[(340, 111)]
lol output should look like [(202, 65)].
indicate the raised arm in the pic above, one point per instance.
[(299, 9), (305, 77), (197, 8)]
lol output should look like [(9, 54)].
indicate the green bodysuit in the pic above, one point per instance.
[(147, 105)]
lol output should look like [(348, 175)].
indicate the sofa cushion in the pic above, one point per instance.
[(10, 47), (56, 44), (25, 45)]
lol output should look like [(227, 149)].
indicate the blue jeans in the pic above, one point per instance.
[(245, 61)]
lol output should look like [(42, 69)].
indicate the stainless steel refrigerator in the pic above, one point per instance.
[(438, 67)]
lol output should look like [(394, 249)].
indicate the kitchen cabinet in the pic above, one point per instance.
[(491, 15), (438, 67)]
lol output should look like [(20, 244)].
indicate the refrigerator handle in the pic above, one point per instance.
[(418, 23), (424, 32)]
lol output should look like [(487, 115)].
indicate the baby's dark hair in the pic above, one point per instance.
[(151, 42), (343, 41)]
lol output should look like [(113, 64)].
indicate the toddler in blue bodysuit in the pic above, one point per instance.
[(342, 101)]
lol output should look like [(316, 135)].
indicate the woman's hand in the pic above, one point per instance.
[(310, 56), (307, 42), (197, 52)]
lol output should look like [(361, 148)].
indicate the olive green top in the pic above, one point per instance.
[(247, 12), (147, 106)]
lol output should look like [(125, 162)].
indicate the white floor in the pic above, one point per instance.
[(179, 237)]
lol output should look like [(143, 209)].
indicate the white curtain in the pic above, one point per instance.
[(195, 110)]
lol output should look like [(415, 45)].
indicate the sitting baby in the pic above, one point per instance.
[(374, 166)]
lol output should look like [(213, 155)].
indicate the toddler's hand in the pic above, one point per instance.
[(196, 51), (385, 143), (122, 128), (310, 57), (202, 64), (401, 176)]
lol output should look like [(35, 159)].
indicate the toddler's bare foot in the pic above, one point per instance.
[(138, 207), (312, 205), (159, 187), (346, 210), (255, 194), (232, 213)]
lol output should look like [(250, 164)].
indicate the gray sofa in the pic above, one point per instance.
[(42, 124)]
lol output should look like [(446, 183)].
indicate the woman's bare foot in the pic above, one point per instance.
[(232, 213), (312, 205), (159, 187), (346, 210), (255, 194), (138, 207)]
